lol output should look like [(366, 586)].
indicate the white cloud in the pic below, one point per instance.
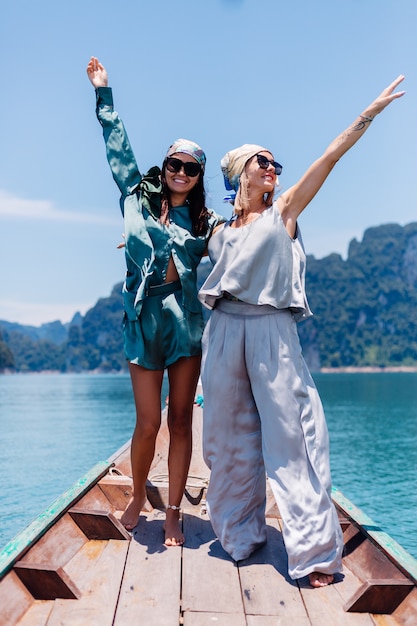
[(20, 208)]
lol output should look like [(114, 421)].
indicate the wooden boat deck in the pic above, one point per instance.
[(77, 566)]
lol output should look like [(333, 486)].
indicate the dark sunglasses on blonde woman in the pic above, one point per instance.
[(264, 163), (190, 167)]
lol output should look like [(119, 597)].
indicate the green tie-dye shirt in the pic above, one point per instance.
[(149, 244)]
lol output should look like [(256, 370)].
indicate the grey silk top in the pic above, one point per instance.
[(258, 263)]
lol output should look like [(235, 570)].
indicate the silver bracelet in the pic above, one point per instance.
[(173, 507), (367, 118)]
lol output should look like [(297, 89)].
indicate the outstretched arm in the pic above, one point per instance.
[(118, 149), (293, 201)]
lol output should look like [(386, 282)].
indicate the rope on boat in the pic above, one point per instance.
[(196, 482), (114, 471), (199, 484)]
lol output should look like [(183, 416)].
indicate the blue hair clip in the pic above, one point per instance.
[(227, 183), (231, 198)]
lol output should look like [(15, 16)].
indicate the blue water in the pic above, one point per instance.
[(372, 421), (54, 428)]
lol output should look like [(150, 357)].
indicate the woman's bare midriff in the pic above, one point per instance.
[(172, 273)]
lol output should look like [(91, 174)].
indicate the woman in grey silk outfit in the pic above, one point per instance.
[(262, 412)]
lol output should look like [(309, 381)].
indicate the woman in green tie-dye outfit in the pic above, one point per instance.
[(167, 226)]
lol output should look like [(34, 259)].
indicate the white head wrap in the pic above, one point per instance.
[(233, 163)]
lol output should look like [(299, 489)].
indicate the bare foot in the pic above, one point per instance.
[(131, 513), (173, 534), (317, 579)]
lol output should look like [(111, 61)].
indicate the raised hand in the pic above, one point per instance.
[(295, 199), (385, 98), (97, 73)]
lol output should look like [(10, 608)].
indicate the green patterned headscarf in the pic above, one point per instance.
[(188, 147)]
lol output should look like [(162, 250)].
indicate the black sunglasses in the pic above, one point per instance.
[(191, 168), (264, 163)]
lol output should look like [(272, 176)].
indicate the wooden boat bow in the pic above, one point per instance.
[(77, 565)]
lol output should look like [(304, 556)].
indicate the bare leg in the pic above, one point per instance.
[(146, 386), (183, 378), (317, 579)]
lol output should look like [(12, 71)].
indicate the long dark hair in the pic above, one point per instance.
[(196, 200)]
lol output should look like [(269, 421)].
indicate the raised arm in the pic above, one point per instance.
[(118, 149), (293, 201)]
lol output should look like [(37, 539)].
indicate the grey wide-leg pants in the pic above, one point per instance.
[(263, 415)]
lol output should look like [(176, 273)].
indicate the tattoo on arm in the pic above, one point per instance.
[(360, 125), (346, 134)]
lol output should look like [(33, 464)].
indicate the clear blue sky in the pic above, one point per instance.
[(287, 75)]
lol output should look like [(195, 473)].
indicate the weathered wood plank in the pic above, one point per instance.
[(271, 507), (15, 549), (266, 586), (95, 499), (198, 468), (192, 618), (348, 585), (52, 550), (97, 571), (323, 606), (407, 611), (117, 489), (210, 577), (15, 599), (389, 620), (37, 614), (151, 584), (276, 620)]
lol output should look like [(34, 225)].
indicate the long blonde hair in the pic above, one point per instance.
[(242, 202)]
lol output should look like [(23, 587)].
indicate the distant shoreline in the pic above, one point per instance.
[(366, 370), (322, 370)]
